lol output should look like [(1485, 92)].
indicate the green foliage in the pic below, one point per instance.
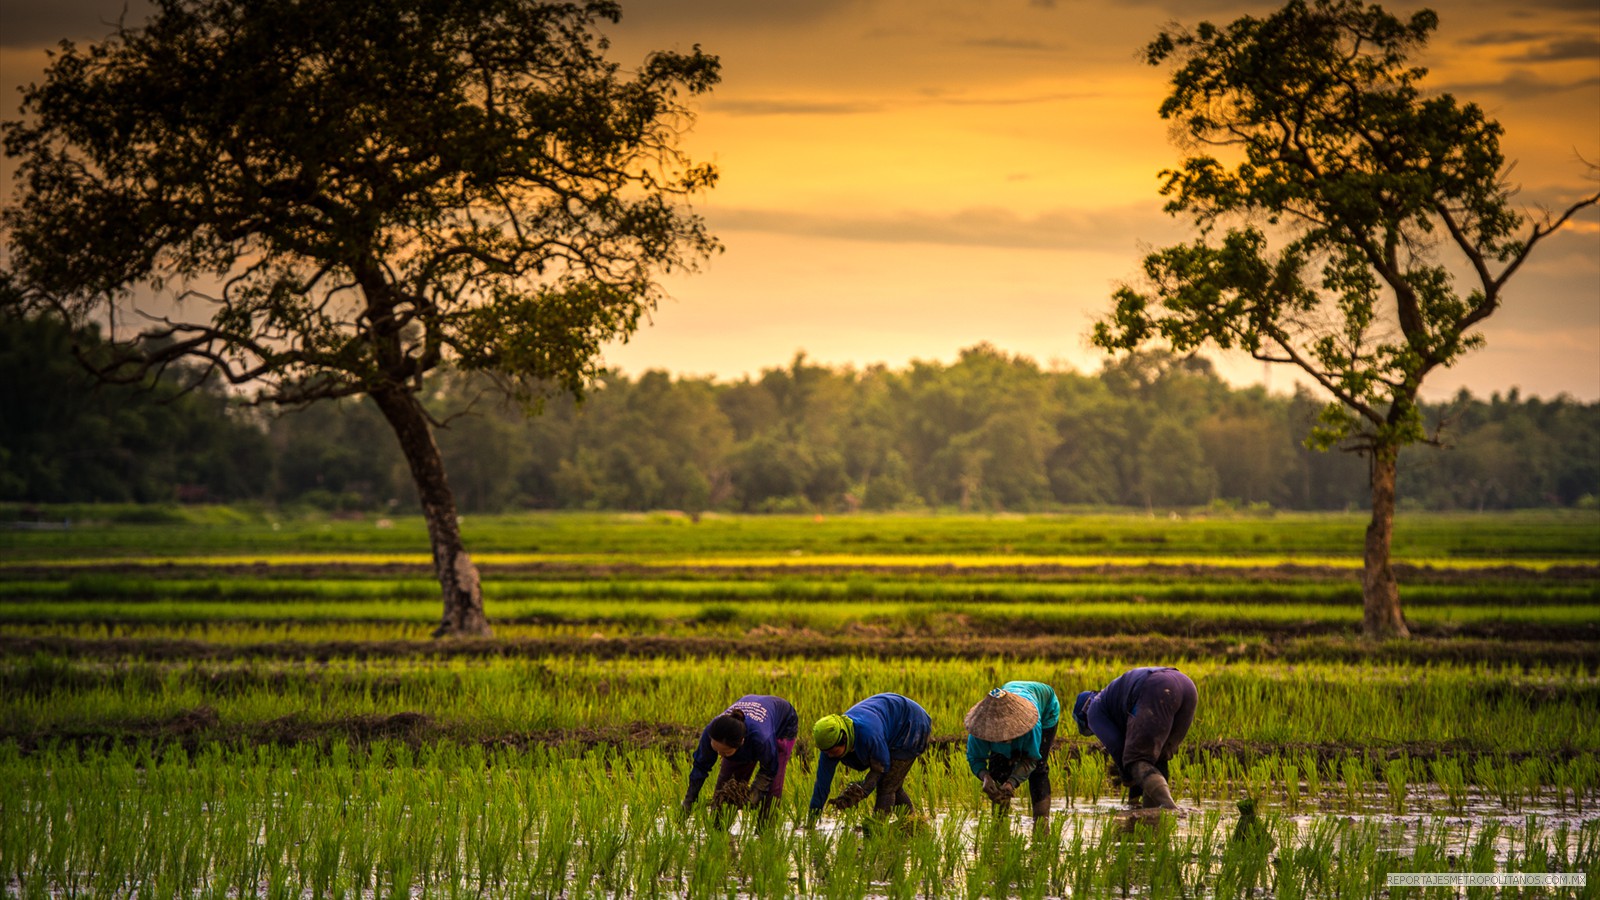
[(1151, 432), (65, 439), (379, 187), (1328, 189)]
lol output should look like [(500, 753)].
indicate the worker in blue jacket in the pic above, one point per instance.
[(1140, 718), (1009, 736), (882, 736)]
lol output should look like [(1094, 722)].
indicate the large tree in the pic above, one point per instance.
[(1349, 224), (341, 197)]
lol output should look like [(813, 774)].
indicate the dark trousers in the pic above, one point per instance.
[(890, 791), (1160, 721), (1039, 779)]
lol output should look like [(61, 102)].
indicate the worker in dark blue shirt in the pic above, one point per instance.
[(1141, 717), (882, 736)]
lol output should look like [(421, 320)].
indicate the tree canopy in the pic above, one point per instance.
[(1151, 431), (342, 197), (1349, 224)]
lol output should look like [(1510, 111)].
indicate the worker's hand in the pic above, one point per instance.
[(991, 788), (849, 797), (760, 787)]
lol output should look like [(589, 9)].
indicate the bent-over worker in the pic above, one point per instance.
[(753, 736), (1010, 733), (882, 736), (1141, 717)]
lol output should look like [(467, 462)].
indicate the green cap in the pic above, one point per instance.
[(830, 731)]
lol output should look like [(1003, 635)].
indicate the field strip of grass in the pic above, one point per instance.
[(1140, 616), (135, 587), (799, 560), (311, 643), (1467, 708)]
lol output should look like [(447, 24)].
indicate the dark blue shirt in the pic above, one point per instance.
[(1110, 710), (767, 720), (887, 727)]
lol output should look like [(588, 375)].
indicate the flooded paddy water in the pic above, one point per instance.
[(315, 830)]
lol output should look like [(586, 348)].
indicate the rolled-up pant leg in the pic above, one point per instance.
[(1165, 710)]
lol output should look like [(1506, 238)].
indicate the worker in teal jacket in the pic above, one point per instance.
[(1009, 736)]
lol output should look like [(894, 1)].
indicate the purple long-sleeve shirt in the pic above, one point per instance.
[(767, 720)]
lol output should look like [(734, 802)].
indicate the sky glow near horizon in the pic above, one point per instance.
[(901, 180)]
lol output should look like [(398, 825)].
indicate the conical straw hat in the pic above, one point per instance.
[(1001, 716)]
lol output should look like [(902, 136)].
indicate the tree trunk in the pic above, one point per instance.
[(458, 576), (1380, 593)]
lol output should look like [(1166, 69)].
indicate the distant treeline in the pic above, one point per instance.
[(988, 432)]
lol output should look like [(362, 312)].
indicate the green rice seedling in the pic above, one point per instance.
[(1497, 777), (1259, 775), (1396, 774), (1451, 779), (1354, 773), (1087, 778), (1312, 769), (1290, 775)]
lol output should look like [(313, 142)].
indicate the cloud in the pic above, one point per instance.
[(1549, 46), (1585, 48), (733, 14), (1521, 84), (781, 107), (1115, 230), (1580, 6), (1025, 45), (930, 97), (1497, 38)]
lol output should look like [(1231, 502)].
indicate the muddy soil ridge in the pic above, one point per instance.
[(1569, 651), (736, 571)]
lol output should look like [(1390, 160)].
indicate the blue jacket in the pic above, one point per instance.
[(767, 720), (1110, 709), (1028, 745), (887, 727)]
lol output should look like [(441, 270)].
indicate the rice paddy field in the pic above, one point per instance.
[(223, 705)]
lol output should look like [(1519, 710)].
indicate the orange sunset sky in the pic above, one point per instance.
[(905, 178)]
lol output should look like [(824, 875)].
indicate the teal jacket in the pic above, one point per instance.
[(1043, 696)]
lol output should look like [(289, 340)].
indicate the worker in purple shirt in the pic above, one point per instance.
[(882, 736), (754, 736), (1141, 717)]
